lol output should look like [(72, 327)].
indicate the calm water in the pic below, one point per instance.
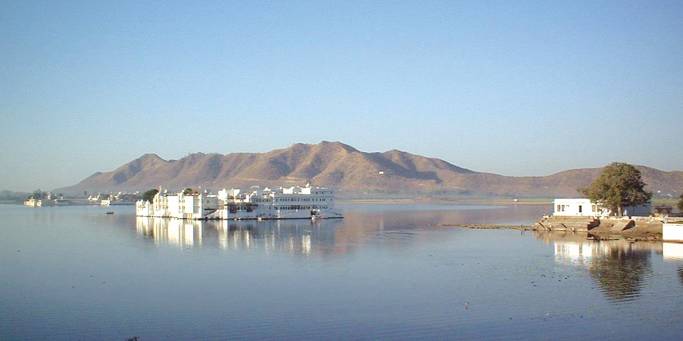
[(383, 272)]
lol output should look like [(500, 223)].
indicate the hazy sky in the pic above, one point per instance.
[(512, 87)]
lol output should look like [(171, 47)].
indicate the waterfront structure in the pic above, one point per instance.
[(48, 200), (178, 205), (672, 232), (582, 207), (33, 202), (268, 203), (576, 208), (120, 198)]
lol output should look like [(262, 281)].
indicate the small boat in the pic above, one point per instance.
[(110, 212)]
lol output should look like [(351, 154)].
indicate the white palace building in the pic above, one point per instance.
[(278, 203)]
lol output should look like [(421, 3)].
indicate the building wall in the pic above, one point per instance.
[(299, 203), (581, 207), (575, 208), (672, 232)]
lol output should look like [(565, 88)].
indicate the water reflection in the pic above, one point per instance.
[(299, 237), (389, 227), (171, 231), (619, 267), (672, 251)]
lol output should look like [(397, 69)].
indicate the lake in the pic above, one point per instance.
[(383, 272)]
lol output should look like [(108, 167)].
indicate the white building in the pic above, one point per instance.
[(577, 208), (179, 205), (281, 203), (32, 202), (582, 207), (672, 233)]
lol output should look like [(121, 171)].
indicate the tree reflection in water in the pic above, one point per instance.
[(620, 270), (617, 266)]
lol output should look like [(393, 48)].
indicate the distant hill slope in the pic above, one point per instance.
[(346, 169)]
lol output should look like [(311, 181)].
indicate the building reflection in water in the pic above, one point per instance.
[(184, 233), (672, 251), (390, 227), (291, 236), (619, 267)]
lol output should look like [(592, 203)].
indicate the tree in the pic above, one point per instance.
[(37, 194), (188, 191), (149, 195), (619, 185), (680, 203)]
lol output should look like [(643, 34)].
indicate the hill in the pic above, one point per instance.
[(348, 170)]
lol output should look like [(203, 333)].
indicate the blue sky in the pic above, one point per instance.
[(517, 88)]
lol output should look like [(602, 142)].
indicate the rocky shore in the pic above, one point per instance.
[(604, 228), (601, 228)]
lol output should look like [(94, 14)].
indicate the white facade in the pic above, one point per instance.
[(576, 208), (281, 203), (672, 232), (181, 206), (31, 202), (581, 207)]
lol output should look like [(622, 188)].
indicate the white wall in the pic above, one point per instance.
[(574, 207), (672, 232), (570, 208)]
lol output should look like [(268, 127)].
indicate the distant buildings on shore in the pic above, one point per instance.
[(120, 198), (41, 199), (44, 199)]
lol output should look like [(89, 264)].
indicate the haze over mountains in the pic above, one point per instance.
[(348, 170)]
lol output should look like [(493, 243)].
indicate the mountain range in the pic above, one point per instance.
[(348, 170)]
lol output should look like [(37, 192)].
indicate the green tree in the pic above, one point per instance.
[(619, 185), (680, 203), (37, 194), (188, 191), (149, 195)]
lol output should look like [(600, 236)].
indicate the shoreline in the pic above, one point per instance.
[(519, 227), (443, 201), (632, 235)]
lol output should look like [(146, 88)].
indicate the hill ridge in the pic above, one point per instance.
[(347, 169)]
